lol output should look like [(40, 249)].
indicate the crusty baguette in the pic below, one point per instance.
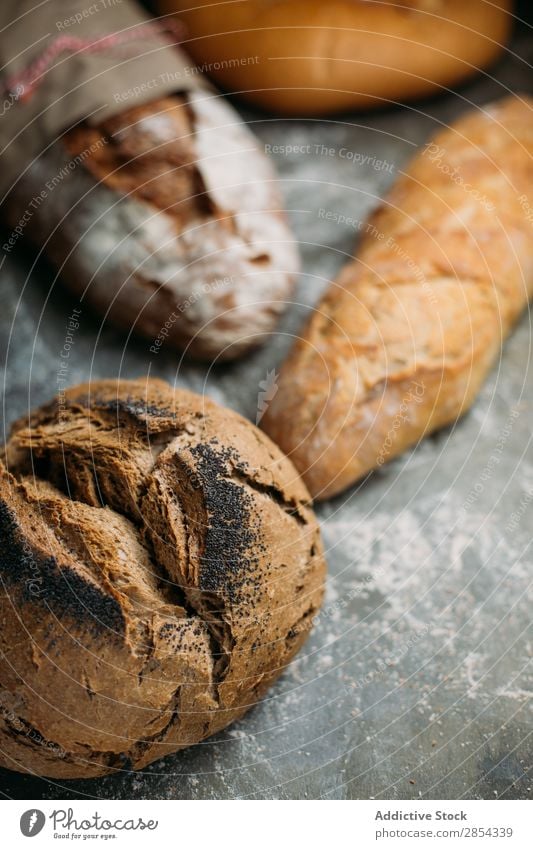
[(401, 343), (301, 57), (167, 218)]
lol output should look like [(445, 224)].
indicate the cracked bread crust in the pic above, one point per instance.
[(171, 221), (316, 58), (161, 564)]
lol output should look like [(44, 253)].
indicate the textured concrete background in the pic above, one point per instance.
[(416, 683)]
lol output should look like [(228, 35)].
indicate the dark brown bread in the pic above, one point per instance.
[(160, 566)]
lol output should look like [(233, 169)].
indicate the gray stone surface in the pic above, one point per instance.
[(416, 683)]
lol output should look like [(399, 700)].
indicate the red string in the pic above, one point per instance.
[(24, 83)]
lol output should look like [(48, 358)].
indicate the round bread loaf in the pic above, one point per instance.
[(160, 566), (307, 57)]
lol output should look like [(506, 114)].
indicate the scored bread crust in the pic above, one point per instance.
[(161, 565), (401, 342), (168, 219)]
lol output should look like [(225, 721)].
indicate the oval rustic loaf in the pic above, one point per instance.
[(167, 218), (403, 340), (160, 566), (309, 57)]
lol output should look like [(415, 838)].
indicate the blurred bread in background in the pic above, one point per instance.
[(308, 57)]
